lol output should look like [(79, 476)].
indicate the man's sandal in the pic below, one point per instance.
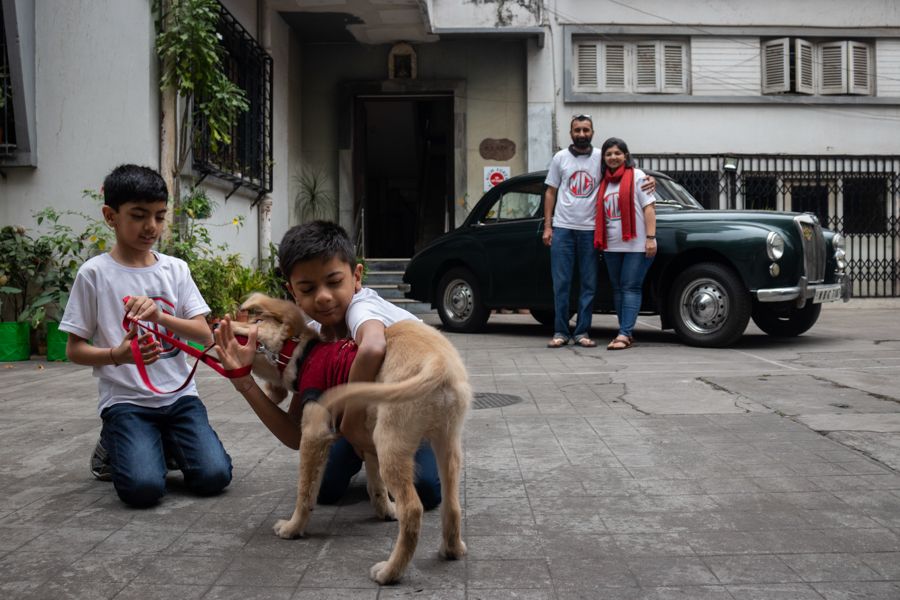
[(585, 342), (619, 344), (557, 342)]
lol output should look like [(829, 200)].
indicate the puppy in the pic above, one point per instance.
[(421, 392)]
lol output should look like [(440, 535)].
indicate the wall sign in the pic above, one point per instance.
[(491, 149), (494, 176)]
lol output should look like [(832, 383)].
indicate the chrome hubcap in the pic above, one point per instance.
[(458, 300), (704, 306)]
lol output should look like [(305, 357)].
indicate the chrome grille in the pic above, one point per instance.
[(813, 247)]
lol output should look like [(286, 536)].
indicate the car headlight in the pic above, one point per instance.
[(838, 242), (774, 245), (840, 257)]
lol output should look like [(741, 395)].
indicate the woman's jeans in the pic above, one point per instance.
[(343, 464), (626, 274), (568, 247), (138, 439)]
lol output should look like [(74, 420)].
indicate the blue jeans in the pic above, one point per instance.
[(626, 274), (343, 464), (134, 438), (570, 246)]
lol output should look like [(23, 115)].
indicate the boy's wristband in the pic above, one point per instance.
[(113, 358), (246, 388), (651, 237)]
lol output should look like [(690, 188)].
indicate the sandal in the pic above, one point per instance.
[(619, 344), (557, 342), (585, 342)]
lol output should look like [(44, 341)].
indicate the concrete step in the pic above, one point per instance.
[(386, 264), (414, 306), (383, 278), (388, 291)]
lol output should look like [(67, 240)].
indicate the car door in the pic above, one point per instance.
[(510, 233)]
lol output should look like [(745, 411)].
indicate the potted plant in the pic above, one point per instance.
[(64, 250), (20, 261)]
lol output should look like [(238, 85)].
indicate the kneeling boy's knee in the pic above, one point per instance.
[(141, 494)]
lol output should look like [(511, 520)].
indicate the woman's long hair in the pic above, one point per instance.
[(614, 141)]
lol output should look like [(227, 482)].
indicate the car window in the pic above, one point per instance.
[(517, 204)]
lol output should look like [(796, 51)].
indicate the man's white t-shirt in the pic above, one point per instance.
[(614, 241), (95, 311), (576, 179), (367, 305)]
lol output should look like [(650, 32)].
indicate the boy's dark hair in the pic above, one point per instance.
[(133, 183), (317, 239)]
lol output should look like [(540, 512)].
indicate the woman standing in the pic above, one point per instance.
[(626, 233)]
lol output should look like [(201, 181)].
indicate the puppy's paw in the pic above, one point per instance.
[(287, 530), (383, 574), (453, 551), (386, 510)]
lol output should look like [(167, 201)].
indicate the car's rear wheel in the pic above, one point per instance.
[(780, 320), (709, 306), (460, 305)]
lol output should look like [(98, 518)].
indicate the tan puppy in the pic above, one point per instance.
[(421, 392)]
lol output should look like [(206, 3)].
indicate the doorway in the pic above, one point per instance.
[(403, 171)]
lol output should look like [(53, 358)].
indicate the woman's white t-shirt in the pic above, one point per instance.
[(614, 242)]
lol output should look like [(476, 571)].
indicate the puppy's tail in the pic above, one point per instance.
[(428, 379)]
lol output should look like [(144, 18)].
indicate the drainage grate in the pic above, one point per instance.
[(491, 400)]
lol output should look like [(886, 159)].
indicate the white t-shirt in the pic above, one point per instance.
[(614, 241), (576, 179), (95, 312), (367, 305)]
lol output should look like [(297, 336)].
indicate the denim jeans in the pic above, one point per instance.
[(570, 246), (343, 464), (135, 438), (626, 274)]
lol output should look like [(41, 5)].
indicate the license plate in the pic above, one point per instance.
[(827, 294)]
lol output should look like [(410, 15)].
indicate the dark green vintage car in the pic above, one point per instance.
[(714, 269)]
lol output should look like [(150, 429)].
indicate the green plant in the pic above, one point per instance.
[(20, 260), (62, 250), (312, 200)]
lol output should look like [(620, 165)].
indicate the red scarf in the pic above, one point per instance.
[(624, 176)]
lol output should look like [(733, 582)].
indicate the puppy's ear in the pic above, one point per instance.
[(255, 302)]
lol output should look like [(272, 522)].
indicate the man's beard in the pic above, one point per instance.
[(582, 143)]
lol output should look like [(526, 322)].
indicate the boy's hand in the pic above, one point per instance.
[(142, 308), (231, 353), (150, 348)]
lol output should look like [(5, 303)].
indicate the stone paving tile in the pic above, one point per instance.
[(859, 590), (887, 564), (830, 567), (787, 591), (506, 574), (737, 569), (671, 571)]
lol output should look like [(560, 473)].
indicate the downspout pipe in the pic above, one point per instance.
[(264, 207)]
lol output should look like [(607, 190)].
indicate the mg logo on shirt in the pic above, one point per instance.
[(581, 184)]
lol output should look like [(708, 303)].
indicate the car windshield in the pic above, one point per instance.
[(670, 193)]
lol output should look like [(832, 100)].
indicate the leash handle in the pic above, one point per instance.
[(203, 356)]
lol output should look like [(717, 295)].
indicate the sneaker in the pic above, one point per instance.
[(100, 463)]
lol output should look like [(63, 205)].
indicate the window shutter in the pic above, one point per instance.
[(834, 68), (646, 72), (673, 74), (776, 68), (614, 68), (804, 67), (859, 73), (586, 74)]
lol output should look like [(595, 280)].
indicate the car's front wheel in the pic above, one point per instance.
[(460, 305), (709, 305), (785, 321)]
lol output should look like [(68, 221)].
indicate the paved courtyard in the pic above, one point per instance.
[(764, 471)]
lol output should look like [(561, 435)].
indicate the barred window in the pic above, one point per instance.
[(247, 161), (812, 198), (760, 192), (703, 185), (865, 205)]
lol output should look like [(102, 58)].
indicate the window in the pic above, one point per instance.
[(702, 185), (7, 120), (760, 192), (865, 205), (798, 66), (247, 161), (642, 67), (811, 198), (515, 205)]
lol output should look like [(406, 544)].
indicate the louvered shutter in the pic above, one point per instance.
[(804, 67), (614, 79), (586, 66), (833, 58), (859, 74), (673, 73), (646, 73), (776, 66)]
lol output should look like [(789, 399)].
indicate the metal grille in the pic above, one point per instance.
[(813, 244), (247, 161), (7, 120), (856, 196), (492, 400)]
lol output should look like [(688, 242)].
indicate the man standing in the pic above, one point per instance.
[(570, 207)]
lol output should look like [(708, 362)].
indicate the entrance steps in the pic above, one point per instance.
[(383, 275)]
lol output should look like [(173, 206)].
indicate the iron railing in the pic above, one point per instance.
[(854, 195), (247, 161)]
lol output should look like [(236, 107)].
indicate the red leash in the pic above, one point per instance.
[(203, 356)]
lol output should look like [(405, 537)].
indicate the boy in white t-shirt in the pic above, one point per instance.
[(140, 427), (326, 282)]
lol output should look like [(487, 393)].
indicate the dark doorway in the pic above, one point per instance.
[(403, 171)]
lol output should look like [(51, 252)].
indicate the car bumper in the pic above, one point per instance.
[(817, 292)]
